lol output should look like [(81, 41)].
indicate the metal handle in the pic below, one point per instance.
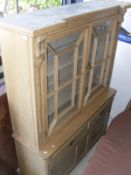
[(88, 66)]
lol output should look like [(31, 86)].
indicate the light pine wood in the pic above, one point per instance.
[(84, 62), (91, 67), (46, 55)]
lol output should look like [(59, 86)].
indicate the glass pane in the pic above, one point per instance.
[(66, 58), (100, 32), (50, 109), (87, 81), (79, 67), (50, 62), (65, 42), (91, 49), (96, 76), (65, 74), (77, 86), (101, 48), (50, 82), (80, 58), (80, 51), (77, 91), (64, 98), (50, 70)]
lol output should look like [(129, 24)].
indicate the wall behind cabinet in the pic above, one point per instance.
[(121, 78)]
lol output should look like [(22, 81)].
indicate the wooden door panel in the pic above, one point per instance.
[(64, 160), (82, 141), (97, 125)]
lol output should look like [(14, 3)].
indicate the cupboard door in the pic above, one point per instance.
[(99, 60), (97, 125), (65, 57), (82, 141), (64, 160)]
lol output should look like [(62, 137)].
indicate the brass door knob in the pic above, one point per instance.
[(88, 67)]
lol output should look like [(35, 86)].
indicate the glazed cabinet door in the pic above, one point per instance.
[(100, 56), (63, 161), (98, 124), (65, 66)]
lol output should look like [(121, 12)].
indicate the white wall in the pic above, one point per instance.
[(121, 78)]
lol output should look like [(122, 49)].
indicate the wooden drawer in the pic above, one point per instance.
[(98, 124)]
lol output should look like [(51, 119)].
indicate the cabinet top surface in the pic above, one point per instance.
[(34, 21)]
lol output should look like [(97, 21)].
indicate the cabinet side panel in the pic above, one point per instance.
[(17, 76), (30, 162)]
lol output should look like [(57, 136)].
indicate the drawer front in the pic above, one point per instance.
[(98, 124), (64, 160)]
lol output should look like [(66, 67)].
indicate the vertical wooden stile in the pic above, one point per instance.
[(74, 76), (92, 69), (56, 69), (84, 61), (105, 57), (111, 53)]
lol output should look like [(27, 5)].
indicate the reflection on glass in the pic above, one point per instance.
[(50, 82), (87, 81), (64, 98), (66, 74), (65, 42), (50, 109), (66, 58), (96, 77)]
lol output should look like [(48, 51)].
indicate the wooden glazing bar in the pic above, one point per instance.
[(74, 76), (95, 88), (63, 66), (62, 86), (78, 42), (92, 70), (56, 86), (112, 49), (84, 61), (65, 112), (51, 94), (99, 61), (52, 125), (44, 107), (65, 50), (38, 81), (105, 56), (108, 64), (51, 49)]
